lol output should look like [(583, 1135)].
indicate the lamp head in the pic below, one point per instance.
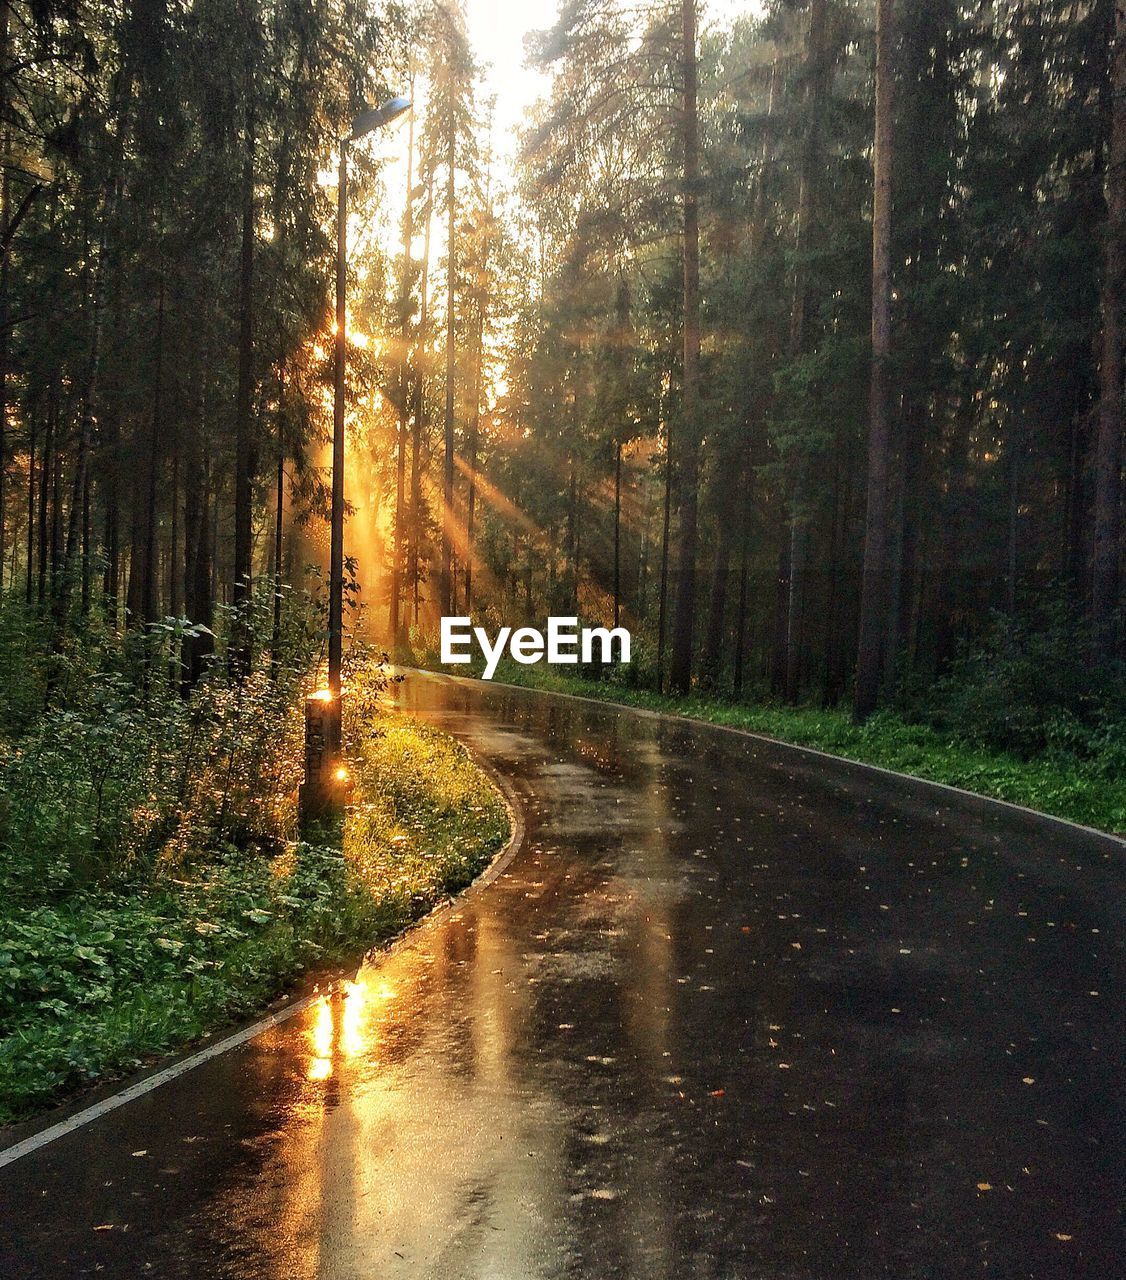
[(377, 117)]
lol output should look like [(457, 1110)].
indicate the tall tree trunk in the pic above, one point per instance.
[(420, 400), (663, 589), (149, 593), (110, 492), (109, 463), (528, 572), (85, 602), (1108, 448), (838, 535), (44, 488), (641, 596), (56, 518), (681, 669), (218, 590), (279, 516), (32, 441), (907, 565), (5, 200), (478, 375), (873, 591), (446, 579), (617, 533), (396, 612), (198, 595), (744, 558), (577, 493), (474, 436), (175, 602), (1015, 448), (1075, 552), (244, 426), (795, 596), (573, 534), (897, 492), (88, 415), (781, 601), (711, 656), (5, 217), (807, 184)]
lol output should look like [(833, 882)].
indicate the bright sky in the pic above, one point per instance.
[(497, 29)]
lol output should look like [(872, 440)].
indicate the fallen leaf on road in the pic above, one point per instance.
[(985, 1186)]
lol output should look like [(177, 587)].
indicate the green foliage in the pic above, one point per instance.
[(104, 978), (22, 646), (94, 980), (122, 770), (423, 798), (1033, 689)]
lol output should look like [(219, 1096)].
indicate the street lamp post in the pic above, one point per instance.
[(323, 788), (365, 123), (336, 554)]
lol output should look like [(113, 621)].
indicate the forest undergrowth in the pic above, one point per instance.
[(152, 884)]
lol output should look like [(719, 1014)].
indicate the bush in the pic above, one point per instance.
[(178, 905), (123, 769), (1029, 690)]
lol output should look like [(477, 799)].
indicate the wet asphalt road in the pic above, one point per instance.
[(731, 1011)]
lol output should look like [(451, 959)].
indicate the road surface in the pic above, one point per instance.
[(731, 1011)]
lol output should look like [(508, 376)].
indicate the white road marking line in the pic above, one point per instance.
[(982, 800), (39, 1140)]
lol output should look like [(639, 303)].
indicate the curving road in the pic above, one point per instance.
[(732, 1010)]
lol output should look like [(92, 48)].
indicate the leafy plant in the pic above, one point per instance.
[(164, 893)]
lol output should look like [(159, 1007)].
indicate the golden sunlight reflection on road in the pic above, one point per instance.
[(345, 1023), (455, 1081)]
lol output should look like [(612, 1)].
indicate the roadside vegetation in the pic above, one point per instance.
[(152, 886), (1024, 716)]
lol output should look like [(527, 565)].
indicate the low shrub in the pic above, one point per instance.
[(95, 979)]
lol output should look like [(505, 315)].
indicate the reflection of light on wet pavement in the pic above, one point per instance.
[(352, 1042), (320, 1068), (345, 1023), (576, 1072)]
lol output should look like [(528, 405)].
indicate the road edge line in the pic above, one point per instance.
[(9, 1155)]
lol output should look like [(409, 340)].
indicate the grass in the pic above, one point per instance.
[(1088, 791), (97, 982)]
